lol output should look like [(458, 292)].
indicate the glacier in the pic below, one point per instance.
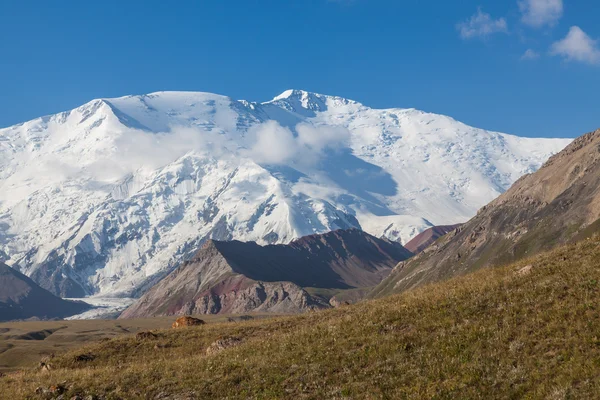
[(107, 198)]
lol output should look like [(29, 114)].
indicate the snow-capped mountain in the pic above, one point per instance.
[(111, 196)]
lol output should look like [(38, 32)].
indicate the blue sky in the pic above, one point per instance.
[(528, 67)]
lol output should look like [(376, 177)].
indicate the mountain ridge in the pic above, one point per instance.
[(558, 204), (240, 277), (21, 298), (111, 196)]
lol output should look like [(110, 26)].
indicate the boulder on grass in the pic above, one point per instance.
[(187, 321)]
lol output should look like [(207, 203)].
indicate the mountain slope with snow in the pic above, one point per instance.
[(111, 196)]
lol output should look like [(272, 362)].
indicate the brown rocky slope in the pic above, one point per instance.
[(426, 238), (559, 203), (237, 277)]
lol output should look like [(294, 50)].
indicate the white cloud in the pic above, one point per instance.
[(577, 46), (271, 143), (530, 54), (538, 13), (318, 138), (139, 150), (143, 152), (481, 24)]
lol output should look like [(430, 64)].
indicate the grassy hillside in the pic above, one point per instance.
[(528, 330)]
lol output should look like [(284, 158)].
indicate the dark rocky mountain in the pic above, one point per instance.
[(22, 298), (428, 237), (238, 277), (559, 203)]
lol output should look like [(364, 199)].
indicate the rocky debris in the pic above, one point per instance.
[(84, 358), (145, 336), (59, 392), (52, 392), (526, 270), (222, 344), (187, 321)]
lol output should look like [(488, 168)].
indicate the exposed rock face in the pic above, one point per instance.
[(557, 204), (22, 298), (278, 297), (237, 277), (428, 237), (187, 321)]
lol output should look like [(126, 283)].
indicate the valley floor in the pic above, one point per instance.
[(528, 330), (24, 344)]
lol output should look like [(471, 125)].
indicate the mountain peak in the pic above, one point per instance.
[(147, 178), (289, 93), (309, 103)]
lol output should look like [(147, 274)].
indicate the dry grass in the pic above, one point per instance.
[(499, 333), (23, 344)]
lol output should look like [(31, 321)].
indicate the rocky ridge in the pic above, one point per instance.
[(236, 277), (559, 203)]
